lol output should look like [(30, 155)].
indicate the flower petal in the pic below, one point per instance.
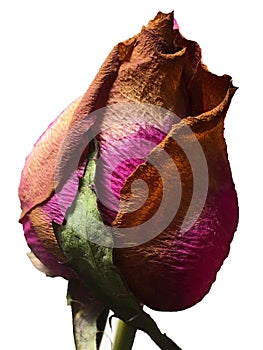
[(178, 268), (50, 178), (122, 150), (202, 89), (37, 180), (46, 258), (50, 163)]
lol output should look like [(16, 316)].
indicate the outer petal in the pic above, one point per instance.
[(122, 149), (162, 68), (50, 164), (50, 178), (52, 266), (176, 269), (38, 175), (151, 72), (57, 154), (36, 184)]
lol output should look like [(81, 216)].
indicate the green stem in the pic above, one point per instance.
[(124, 337)]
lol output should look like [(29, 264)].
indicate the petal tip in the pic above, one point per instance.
[(176, 25)]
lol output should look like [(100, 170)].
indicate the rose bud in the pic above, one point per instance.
[(155, 116)]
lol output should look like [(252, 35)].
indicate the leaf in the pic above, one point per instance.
[(94, 264)]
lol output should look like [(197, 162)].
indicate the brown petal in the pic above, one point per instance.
[(175, 269), (50, 163), (43, 228), (203, 90), (37, 180)]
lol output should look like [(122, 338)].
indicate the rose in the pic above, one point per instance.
[(174, 108)]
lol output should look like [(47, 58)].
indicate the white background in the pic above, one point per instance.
[(50, 51)]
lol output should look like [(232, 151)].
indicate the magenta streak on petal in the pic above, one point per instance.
[(49, 260), (119, 157), (197, 255), (176, 25), (55, 210)]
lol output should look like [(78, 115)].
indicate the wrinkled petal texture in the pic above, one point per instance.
[(122, 150), (37, 222), (38, 226), (50, 177), (159, 67), (176, 269), (48, 259)]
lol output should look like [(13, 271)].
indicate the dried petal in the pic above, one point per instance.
[(157, 68), (177, 269)]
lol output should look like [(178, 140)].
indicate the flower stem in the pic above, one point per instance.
[(124, 337)]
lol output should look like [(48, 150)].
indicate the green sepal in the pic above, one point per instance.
[(93, 262)]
